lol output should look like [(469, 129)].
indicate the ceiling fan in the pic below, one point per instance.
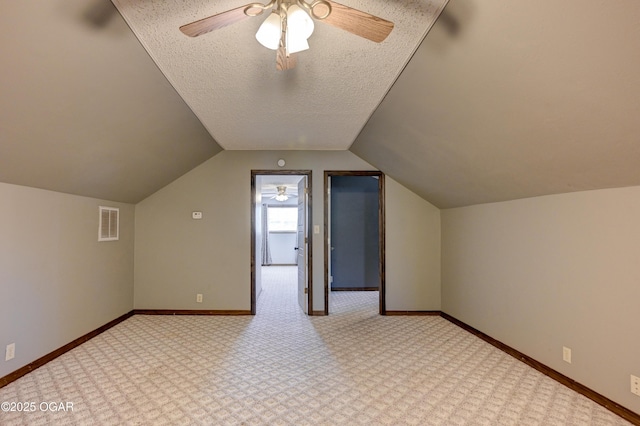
[(289, 24), (281, 194)]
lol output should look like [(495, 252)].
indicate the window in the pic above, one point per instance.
[(283, 219), (108, 227)]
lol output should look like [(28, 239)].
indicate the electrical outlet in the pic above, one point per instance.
[(566, 354), (10, 353), (635, 385), (199, 298)]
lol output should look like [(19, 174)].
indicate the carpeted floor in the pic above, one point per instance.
[(283, 368)]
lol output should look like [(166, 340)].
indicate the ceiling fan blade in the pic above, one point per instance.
[(358, 22), (284, 62), (205, 25)]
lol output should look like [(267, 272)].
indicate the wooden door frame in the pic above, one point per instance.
[(254, 174), (381, 234)]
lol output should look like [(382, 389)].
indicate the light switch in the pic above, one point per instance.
[(196, 215), (316, 229)]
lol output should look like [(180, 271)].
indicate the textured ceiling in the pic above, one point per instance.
[(231, 83), (507, 100), (502, 100), (84, 110)]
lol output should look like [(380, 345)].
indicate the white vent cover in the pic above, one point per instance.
[(108, 228)]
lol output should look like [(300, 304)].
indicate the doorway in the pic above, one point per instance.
[(280, 229), (354, 241)]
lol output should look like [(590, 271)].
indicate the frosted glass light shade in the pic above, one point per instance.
[(295, 45), (299, 24), (269, 32), (299, 29)]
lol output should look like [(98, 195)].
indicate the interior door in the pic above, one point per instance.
[(302, 245)]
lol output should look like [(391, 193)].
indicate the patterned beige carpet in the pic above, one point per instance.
[(282, 368)]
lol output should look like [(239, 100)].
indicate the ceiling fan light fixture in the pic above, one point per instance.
[(299, 28), (295, 45), (282, 193), (299, 23), (290, 24), (269, 32)]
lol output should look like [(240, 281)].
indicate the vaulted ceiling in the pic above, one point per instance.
[(500, 100), (516, 99), (231, 83), (84, 110)]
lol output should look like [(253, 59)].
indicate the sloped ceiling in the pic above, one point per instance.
[(502, 100), (84, 110), (506, 100), (231, 82)]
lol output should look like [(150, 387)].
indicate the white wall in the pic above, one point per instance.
[(282, 247), (282, 244), (177, 257), (57, 282), (542, 273)]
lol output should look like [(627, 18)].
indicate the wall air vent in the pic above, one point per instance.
[(109, 226)]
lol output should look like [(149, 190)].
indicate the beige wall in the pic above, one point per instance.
[(412, 250), (542, 273), (537, 274), (57, 282), (177, 257)]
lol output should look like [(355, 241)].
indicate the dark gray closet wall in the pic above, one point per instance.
[(354, 232)]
